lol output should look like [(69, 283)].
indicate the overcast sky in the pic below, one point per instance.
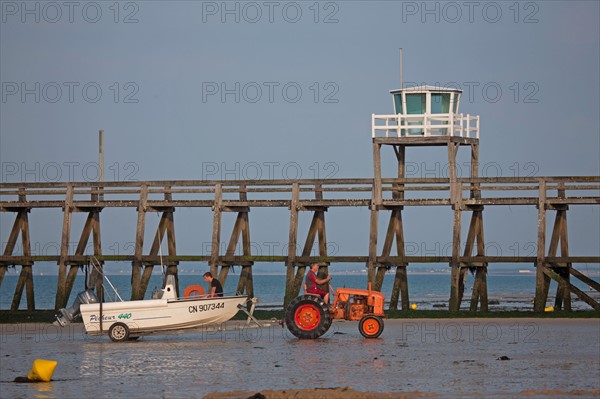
[(214, 90)]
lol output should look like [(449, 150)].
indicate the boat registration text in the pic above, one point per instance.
[(206, 307)]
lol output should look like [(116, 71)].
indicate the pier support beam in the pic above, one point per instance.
[(293, 241), (400, 288), (295, 277), (373, 233), (217, 209), (20, 227), (91, 227), (316, 230), (61, 294), (594, 285), (479, 292), (142, 272), (396, 230), (166, 225), (376, 270), (241, 228), (455, 275), (456, 201), (401, 278), (140, 229), (559, 234), (459, 269), (376, 199), (560, 272), (542, 281), (65, 284)]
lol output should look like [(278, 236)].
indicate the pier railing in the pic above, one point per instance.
[(312, 193)]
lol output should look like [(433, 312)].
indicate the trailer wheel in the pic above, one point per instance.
[(370, 326), (118, 332), (308, 317)]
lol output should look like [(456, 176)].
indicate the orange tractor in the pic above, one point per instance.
[(309, 317)]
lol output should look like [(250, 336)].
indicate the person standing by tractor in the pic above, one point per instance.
[(215, 287), (313, 282)]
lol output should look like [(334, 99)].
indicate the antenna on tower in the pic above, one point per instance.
[(401, 86), (101, 155)]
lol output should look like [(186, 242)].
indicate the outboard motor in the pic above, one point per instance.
[(67, 315)]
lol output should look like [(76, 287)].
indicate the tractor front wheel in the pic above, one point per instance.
[(370, 326), (308, 317)]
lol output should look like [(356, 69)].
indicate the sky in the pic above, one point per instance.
[(241, 90)]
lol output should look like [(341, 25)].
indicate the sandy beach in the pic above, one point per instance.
[(412, 358)]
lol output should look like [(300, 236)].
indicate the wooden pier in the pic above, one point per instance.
[(381, 195), (424, 116)]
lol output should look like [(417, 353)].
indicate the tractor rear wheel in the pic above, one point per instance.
[(370, 326), (308, 317)]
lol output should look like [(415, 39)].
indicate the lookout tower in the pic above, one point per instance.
[(425, 116)]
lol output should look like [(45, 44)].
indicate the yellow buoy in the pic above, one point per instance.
[(42, 370), (549, 309), (413, 306)]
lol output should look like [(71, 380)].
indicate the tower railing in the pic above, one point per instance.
[(425, 125)]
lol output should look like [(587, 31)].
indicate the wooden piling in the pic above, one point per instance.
[(292, 240), (376, 200), (61, 294), (316, 231), (542, 281), (245, 282), (26, 275), (216, 230), (136, 269), (454, 304), (560, 235)]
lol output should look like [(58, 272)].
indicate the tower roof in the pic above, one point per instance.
[(426, 88)]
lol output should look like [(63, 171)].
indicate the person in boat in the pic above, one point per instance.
[(215, 287), (313, 282)]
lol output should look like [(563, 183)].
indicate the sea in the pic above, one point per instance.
[(427, 290)]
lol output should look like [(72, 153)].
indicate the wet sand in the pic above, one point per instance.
[(412, 358)]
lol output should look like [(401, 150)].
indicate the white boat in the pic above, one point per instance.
[(165, 312)]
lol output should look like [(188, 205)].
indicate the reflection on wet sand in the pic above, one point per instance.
[(447, 357)]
